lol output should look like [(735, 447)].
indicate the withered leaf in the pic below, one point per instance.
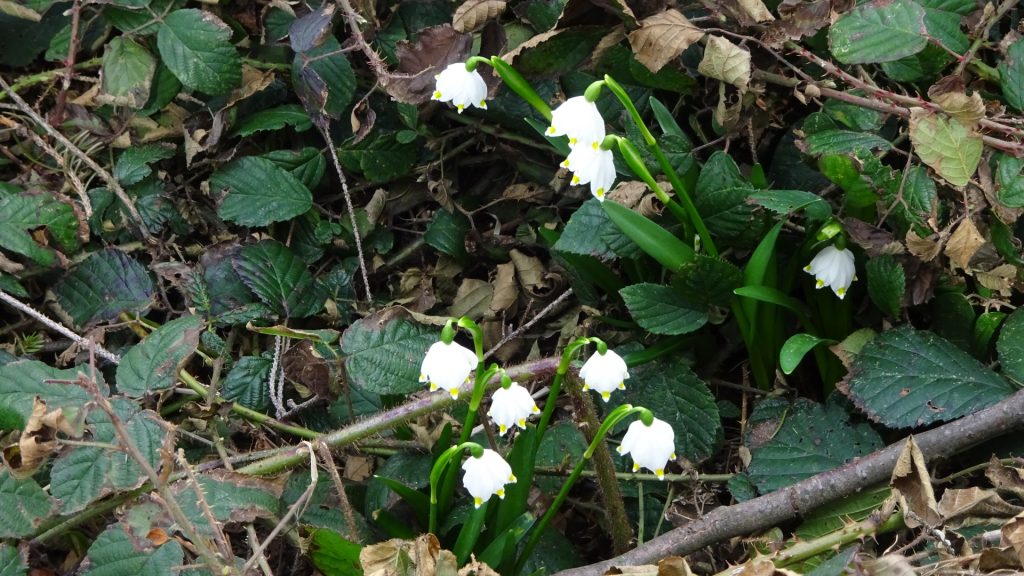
[(1013, 534), (911, 484), (471, 15), (418, 62), (967, 506), (662, 38), (302, 363), (726, 61), (965, 241)]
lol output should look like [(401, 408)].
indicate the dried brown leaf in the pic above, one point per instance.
[(473, 299), (662, 38), (968, 110), (506, 291), (401, 557), (303, 364), (967, 506), (612, 39), (889, 565), (924, 248), (38, 440), (531, 272), (418, 62), (964, 243), (1005, 478), (726, 61), (669, 566), (471, 15), (912, 487), (999, 279), (1013, 534)]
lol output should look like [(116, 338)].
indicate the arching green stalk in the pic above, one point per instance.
[(440, 465)]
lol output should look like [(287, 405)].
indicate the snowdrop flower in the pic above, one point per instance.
[(650, 446), (511, 407), (447, 366), (592, 165), (833, 267), (486, 476), (604, 373), (578, 119), (461, 87)]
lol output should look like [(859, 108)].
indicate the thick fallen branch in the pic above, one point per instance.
[(788, 503)]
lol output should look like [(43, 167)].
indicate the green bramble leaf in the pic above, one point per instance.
[(1011, 75), (20, 213), (383, 353), (107, 283), (879, 31), (153, 365), (127, 73), (1010, 180), (280, 279), (10, 561), (196, 46), (1011, 346), (660, 310), (247, 383), (259, 192), (274, 119), (946, 145), (133, 165), (232, 498), (886, 284), (117, 553), (23, 380), (332, 554), (844, 142), (23, 506)]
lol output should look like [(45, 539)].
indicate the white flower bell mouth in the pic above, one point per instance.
[(447, 366), (592, 165), (579, 120), (461, 87), (486, 476), (604, 373), (511, 407), (650, 446), (833, 267)]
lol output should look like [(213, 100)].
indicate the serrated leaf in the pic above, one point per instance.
[(20, 213), (907, 378), (590, 232), (808, 439), (660, 310), (1011, 182), (232, 498), (947, 146), (1011, 346), (844, 142), (880, 31), (789, 201), (22, 381), (274, 119), (447, 233), (79, 477), (1011, 75), (380, 158), (126, 74), (133, 165), (23, 506), (707, 281), (307, 164), (471, 15), (10, 562), (259, 192), (886, 284), (116, 553), (383, 353), (726, 61), (280, 279), (662, 37), (679, 397), (104, 285), (562, 446), (325, 78), (247, 383), (196, 46), (153, 364), (312, 29), (332, 554)]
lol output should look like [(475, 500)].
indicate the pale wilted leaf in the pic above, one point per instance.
[(18, 11), (505, 290), (38, 440), (966, 506), (912, 486), (967, 109), (471, 15), (964, 242), (401, 557), (948, 147), (924, 248), (1005, 477), (1013, 534), (726, 61), (755, 10), (662, 38)]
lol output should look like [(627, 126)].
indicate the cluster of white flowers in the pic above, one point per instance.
[(577, 118), (833, 267)]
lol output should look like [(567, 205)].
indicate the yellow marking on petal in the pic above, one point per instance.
[(565, 163), (460, 107), (600, 194), (433, 387), (841, 292), (535, 410), (807, 268), (819, 283), (502, 428), (423, 377), (586, 386), (635, 466), (606, 395), (660, 473), (522, 422), (501, 493), (437, 95), (436, 76), (550, 130), (673, 456), (573, 141), (595, 145), (477, 501), (455, 393), (482, 104), (512, 479), (622, 385), (575, 179), (619, 449)]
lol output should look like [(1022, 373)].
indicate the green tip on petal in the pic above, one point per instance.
[(622, 385), (807, 268), (512, 479), (573, 141), (575, 179), (501, 493), (482, 105), (522, 422), (550, 130), (437, 94), (502, 428), (460, 108), (606, 395), (819, 283), (586, 387)]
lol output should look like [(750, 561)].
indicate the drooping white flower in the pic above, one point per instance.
[(579, 120), (833, 267), (461, 87), (486, 476), (650, 446), (592, 165), (511, 407), (604, 373), (447, 366)]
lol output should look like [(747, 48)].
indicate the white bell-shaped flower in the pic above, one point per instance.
[(511, 407), (650, 446), (592, 165), (604, 373), (579, 120), (447, 366), (833, 267), (486, 476), (461, 87)]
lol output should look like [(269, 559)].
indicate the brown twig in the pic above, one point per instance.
[(57, 117), (339, 487), (1001, 11), (800, 498)]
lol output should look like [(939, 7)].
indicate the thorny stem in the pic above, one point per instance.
[(1001, 11), (339, 487), (59, 328), (41, 77)]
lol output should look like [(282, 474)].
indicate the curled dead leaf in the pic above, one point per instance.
[(912, 487), (969, 506), (38, 440), (1013, 535), (662, 38), (964, 243), (726, 61), (471, 15)]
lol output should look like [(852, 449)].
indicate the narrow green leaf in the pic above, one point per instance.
[(657, 242), (334, 555), (772, 296), (795, 348)]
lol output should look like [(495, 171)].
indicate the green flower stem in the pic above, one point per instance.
[(515, 81), (439, 467), (610, 421), (556, 386), (636, 163), (666, 167)]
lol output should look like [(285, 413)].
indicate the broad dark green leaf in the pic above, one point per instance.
[(590, 232), (259, 192), (789, 201), (280, 279), (23, 506), (879, 31), (380, 157), (838, 514), (1010, 346), (1011, 75), (10, 561), (1010, 180), (274, 119), (447, 233), (127, 73), (133, 165), (116, 553), (196, 46), (886, 284), (246, 383), (22, 381), (153, 365), (844, 142), (561, 447), (383, 356), (307, 164), (906, 378), (232, 498), (660, 310), (107, 283), (20, 213), (334, 555), (808, 439), (324, 78)]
